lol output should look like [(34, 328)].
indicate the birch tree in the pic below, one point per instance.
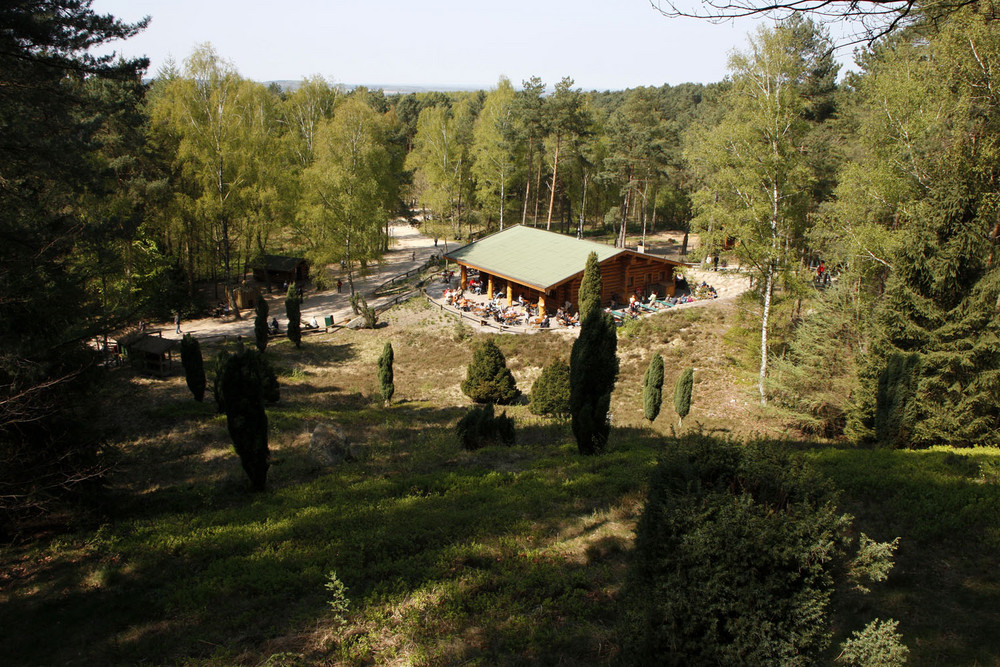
[(349, 189), (495, 149), (756, 179)]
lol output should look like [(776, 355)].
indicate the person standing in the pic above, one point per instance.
[(340, 285), (177, 321)]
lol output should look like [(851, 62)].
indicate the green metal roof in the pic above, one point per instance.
[(530, 256)]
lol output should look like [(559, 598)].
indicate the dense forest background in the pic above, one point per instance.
[(120, 196)]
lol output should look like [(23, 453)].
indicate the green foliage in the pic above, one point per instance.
[(67, 215), (481, 428), (293, 311), (488, 380), (270, 390), (244, 383), (593, 370), (194, 366), (550, 392), (878, 645), (260, 323), (590, 287), (873, 561), (339, 602), (813, 382), (652, 388), (682, 394), (737, 554), (385, 374), (895, 410)]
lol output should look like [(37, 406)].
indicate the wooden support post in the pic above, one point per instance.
[(510, 295), (489, 287), (541, 305), (463, 275)]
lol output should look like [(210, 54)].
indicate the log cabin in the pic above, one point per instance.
[(547, 268)]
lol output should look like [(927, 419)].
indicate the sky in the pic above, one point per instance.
[(601, 44)]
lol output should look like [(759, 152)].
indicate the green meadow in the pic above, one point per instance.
[(422, 553)]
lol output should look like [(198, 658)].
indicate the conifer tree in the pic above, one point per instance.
[(293, 312), (243, 389), (488, 379), (550, 392), (385, 373), (652, 388), (194, 366), (260, 323), (682, 395), (589, 297), (593, 366)]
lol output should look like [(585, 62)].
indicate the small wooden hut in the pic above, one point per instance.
[(149, 352), (280, 269), (547, 268)]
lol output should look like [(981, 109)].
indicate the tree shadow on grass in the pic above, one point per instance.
[(219, 577)]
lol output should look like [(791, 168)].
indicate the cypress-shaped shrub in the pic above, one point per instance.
[(593, 366), (293, 312), (260, 323), (488, 379), (385, 375), (652, 388), (262, 369), (480, 427), (243, 384), (682, 395), (550, 392), (194, 366), (589, 296)]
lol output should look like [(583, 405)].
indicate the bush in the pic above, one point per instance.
[(878, 645), (194, 366), (738, 553), (652, 388), (243, 385), (550, 392), (480, 428), (488, 379), (385, 376), (260, 323)]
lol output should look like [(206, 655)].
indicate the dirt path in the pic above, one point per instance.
[(408, 250)]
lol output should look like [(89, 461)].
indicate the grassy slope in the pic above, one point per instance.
[(499, 556)]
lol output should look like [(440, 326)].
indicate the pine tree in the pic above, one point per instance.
[(652, 388), (293, 312), (488, 379), (260, 323), (385, 374), (194, 366), (593, 366), (55, 181), (682, 395)]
